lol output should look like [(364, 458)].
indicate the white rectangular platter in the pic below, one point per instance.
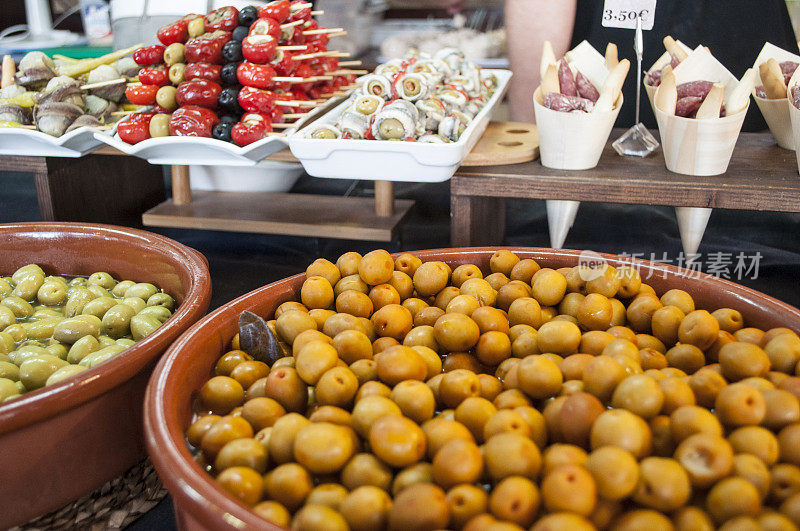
[(31, 143), (387, 160)]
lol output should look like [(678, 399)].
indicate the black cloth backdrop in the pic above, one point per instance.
[(734, 31)]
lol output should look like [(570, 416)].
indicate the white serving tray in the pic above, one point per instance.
[(200, 151), (385, 160), (32, 143)]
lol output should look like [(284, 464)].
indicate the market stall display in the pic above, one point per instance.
[(775, 68), (93, 418), (480, 47), (379, 132), (572, 370)]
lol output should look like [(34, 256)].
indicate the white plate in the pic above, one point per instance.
[(201, 151), (385, 160), (31, 143)]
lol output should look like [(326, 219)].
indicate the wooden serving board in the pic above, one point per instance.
[(505, 143)]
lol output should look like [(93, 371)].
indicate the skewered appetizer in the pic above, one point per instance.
[(566, 89), (416, 98), (233, 74), (56, 99)]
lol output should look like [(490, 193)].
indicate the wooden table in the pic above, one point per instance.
[(761, 176)]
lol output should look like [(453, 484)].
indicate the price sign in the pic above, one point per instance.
[(624, 13)]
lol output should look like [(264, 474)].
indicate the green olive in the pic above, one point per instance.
[(26, 272), (166, 98), (176, 73), (102, 279), (63, 373), (99, 306), (26, 351), (411, 87), (19, 306), (162, 299), (78, 282), (98, 291), (143, 325), (159, 124), (72, 329), (366, 106), (4, 357), (6, 343), (7, 317), (392, 129), (17, 332), (125, 342), (159, 312), (59, 350), (26, 289), (34, 372), (82, 348), (196, 27), (8, 389), (323, 134), (43, 328), (174, 53), (9, 370), (117, 320), (106, 341), (120, 289), (136, 303), (95, 358), (5, 287), (52, 293), (43, 313), (77, 300)]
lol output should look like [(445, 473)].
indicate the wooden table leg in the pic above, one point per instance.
[(477, 220), (384, 198), (181, 185), (98, 188)]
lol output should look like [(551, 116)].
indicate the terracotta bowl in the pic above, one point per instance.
[(200, 504), (63, 441)]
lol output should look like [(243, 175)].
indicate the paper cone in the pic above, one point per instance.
[(662, 61), (572, 140), (692, 223), (560, 218), (775, 112), (700, 147)]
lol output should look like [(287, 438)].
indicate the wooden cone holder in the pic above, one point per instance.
[(560, 218), (692, 223)]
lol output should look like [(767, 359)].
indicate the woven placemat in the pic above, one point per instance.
[(113, 506)]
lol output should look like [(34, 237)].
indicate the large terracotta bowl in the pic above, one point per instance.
[(63, 441), (200, 504)]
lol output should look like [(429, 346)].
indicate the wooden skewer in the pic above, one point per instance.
[(298, 7), (357, 62), (281, 126), (318, 12), (64, 58), (289, 79), (104, 83), (296, 103), (294, 47), (322, 31), (123, 113), (322, 78), (9, 69), (346, 72), (337, 34), (320, 54), (276, 134), (293, 115), (292, 24)]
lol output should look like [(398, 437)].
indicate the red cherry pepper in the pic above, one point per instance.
[(141, 94), (297, 12), (276, 116), (198, 92), (175, 32), (149, 55), (259, 48), (224, 18), (266, 26), (257, 100), (206, 48), (245, 133), (253, 75), (192, 121), (278, 10), (154, 75), (318, 43), (136, 128), (284, 63), (304, 71), (202, 71)]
